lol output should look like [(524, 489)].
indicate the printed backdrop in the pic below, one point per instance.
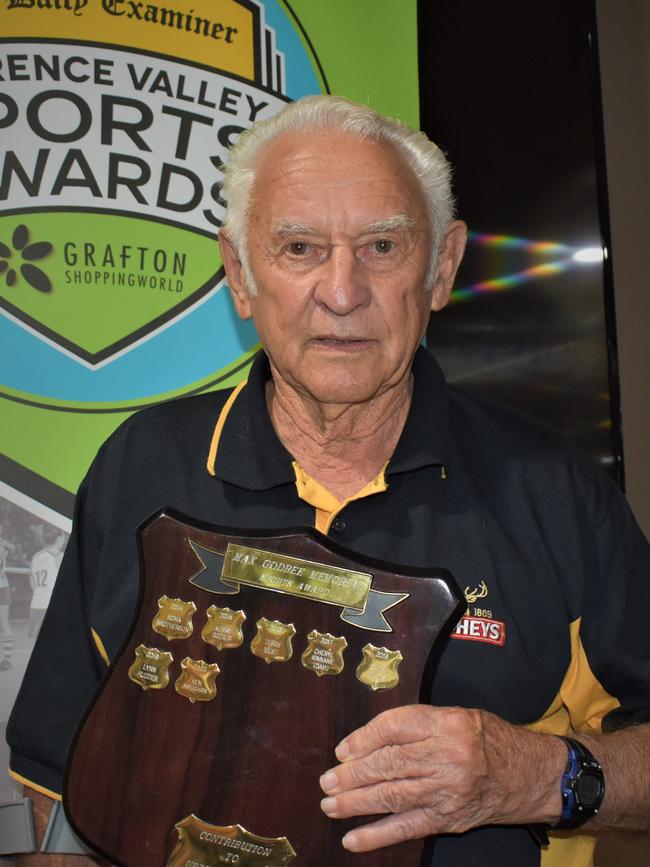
[(116, 119), (115, 122)]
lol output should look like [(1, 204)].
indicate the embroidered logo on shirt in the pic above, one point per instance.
[(480, 629), (479, 592), (477, 624)]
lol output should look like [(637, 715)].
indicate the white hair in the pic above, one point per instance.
[(334, 113)]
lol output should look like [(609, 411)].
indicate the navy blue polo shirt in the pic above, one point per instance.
[(554, 568)]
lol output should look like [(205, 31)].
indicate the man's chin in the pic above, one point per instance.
[(341, 393)]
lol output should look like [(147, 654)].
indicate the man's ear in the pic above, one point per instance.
[(235, 277), (449, 259)]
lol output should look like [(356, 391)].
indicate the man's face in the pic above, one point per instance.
[(339, 247)]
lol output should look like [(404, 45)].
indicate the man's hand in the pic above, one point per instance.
[(441, 770)]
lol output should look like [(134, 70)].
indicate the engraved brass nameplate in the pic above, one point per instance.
[(174, 619), (204, 845), (296, 576), (273, 640), (197, 682), (324, 653), (308, 579), (223, 628), (149, 669), (379, 667)]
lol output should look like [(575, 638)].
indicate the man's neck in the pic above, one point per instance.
[(343, 446)]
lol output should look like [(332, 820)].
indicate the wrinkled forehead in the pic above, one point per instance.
[(325, 169)]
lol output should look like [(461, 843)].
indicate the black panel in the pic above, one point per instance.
[(510, 91)]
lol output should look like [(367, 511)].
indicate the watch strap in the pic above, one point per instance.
[(575, 809)]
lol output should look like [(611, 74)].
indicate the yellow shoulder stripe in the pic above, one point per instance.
[(214, 444), (99, 644)]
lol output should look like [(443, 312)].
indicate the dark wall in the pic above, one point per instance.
[(511, 92)]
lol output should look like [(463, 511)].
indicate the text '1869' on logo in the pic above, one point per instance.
[(117, 118), (479, 623)]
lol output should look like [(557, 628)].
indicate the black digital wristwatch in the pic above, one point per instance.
[(583, 787)]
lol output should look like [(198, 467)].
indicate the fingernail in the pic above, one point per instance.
[(328, 781), (350, 841), (342, 751), (328, 805)]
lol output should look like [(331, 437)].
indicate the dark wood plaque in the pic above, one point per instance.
[(212, 720)]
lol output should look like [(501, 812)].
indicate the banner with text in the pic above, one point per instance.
[(115, 121)]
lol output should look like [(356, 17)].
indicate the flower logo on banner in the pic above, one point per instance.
[(29, 253)]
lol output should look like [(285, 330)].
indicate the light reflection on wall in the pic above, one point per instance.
[(563, 256)]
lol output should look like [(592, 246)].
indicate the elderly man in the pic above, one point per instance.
[(339, 241)]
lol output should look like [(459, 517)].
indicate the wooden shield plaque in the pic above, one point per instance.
[(251, 656)]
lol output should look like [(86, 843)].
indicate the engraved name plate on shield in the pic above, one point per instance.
[(283, 643)]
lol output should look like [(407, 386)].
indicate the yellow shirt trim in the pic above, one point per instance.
[(582, 701), (586, 698), (99, 644), (326, 505), (580, 705), (25, 782), (212, 454), (569, 850)]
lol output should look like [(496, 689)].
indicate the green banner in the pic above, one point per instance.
[(116, 123)]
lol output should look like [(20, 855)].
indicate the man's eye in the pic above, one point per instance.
[(299, 248), (383, 245)]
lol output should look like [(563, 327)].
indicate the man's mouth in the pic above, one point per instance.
[(342, 344)]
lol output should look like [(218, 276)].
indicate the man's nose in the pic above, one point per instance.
[(342, 284)]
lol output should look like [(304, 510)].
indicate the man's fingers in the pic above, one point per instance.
[(388, 831), (388, 797), (409, 742), (399, 725), (397, 762)]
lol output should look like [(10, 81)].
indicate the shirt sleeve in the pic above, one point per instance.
[(615, 613), (65, 666)]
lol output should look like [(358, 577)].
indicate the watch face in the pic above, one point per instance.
[(589, 789)]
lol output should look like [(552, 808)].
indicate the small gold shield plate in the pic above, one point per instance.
[(207, 845), (273, 640), (149, 668), (324, 653), (378, 670), (223, 628), (197, 682), (174, 619)]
